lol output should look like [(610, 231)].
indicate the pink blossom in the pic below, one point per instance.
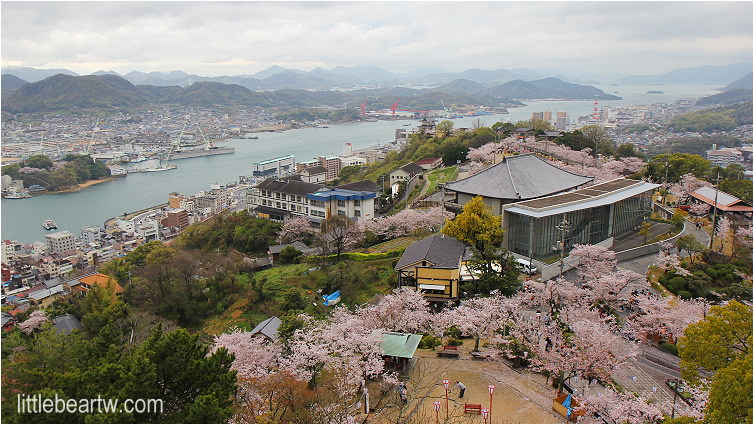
[(699, 208), (255, 357), (35, 322), (687, 184), (593, 261), (294, 230), (613, 407)]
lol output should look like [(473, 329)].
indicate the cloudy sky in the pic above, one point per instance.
[(234, 38)]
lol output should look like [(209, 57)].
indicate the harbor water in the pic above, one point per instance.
[(22, 218)]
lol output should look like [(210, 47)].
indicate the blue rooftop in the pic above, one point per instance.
[(340, 194)]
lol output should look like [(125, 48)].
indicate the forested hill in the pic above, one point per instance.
[(715, 119), (65, 92)]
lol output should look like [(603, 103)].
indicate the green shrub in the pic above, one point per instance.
[(669, 348), (684, 294), (453, 332), (453, 341), (676, 284), (429, 342)]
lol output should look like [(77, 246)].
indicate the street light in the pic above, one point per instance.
[(437, 411), (491, 389), (485, 413), (446, 384), (564, 227)]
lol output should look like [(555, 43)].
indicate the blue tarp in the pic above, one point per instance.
[(331, 299), (567, 404)]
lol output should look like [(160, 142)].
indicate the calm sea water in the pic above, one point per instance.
[(22, 218)]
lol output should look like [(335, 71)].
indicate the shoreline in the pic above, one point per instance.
[(78, 187)]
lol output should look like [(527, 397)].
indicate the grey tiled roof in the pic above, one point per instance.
[(361, 186), (440, 250), (290, 185), (67, 323), (519, 177), (412, 168), (268, 328), (318, 169)]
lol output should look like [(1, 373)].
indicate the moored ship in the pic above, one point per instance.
[(49, 224)]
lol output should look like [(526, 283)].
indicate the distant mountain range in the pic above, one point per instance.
[(707, 74), (106, 91), (342, 77)]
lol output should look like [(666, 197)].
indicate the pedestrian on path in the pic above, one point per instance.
[(461, 388), (402, 392)]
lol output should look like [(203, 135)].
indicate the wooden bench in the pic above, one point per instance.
[(472, 408), (448, 351)]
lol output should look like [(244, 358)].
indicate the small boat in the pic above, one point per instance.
[(49, 224), (18, 195)]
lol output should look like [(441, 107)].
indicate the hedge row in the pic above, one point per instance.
[(356, 256)]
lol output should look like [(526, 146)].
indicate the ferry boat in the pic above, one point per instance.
[(49, 224)]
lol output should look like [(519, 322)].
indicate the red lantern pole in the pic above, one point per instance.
[(446, 384), (485, 413), (437, 411), (491, 389)]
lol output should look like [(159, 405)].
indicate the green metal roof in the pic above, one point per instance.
[(400, 344)]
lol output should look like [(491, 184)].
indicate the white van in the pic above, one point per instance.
[(526, 266)]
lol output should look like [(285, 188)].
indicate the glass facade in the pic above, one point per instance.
[(540, 237)]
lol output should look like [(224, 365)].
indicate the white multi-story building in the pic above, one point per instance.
[(281, 199), (149, 230), (91, 234), (10, 250), (724, 156), (63, 243), (281, 166)]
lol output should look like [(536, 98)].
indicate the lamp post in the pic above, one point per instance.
[(485, 413), (446, 384), (564, 227), (714, 212), (437, 411), (675, 395), (491, 389)]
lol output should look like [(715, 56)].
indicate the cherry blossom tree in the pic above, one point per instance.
[(295, 229), (34, 323), (687, 184), (723, 228), (593, 261), (407, 222), (617, 408), (607, 289), (666, 317), (593, 350), (485, 153), (478, 317), (403, 310), (255, 357), (699, 209)]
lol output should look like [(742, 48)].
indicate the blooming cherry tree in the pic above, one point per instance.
[(34, 323), (723, 228), (593, 261), (294, 230), (616, 408)]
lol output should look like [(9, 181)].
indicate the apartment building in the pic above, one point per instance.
[(63, 243)]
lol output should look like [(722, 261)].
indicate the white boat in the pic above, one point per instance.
[(152, 169), (49, 224), (17, 195)]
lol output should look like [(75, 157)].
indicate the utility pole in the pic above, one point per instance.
[(564, 227), (714, 211)]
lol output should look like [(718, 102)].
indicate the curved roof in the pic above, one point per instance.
[(519, 177)]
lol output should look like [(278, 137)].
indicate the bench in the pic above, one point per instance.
[(448, 351), (472, 408), (476, 355)]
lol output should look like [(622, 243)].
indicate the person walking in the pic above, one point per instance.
[(461, 388), (402, 392)]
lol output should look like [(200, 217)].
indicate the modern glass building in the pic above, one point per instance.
[(536, 228)]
